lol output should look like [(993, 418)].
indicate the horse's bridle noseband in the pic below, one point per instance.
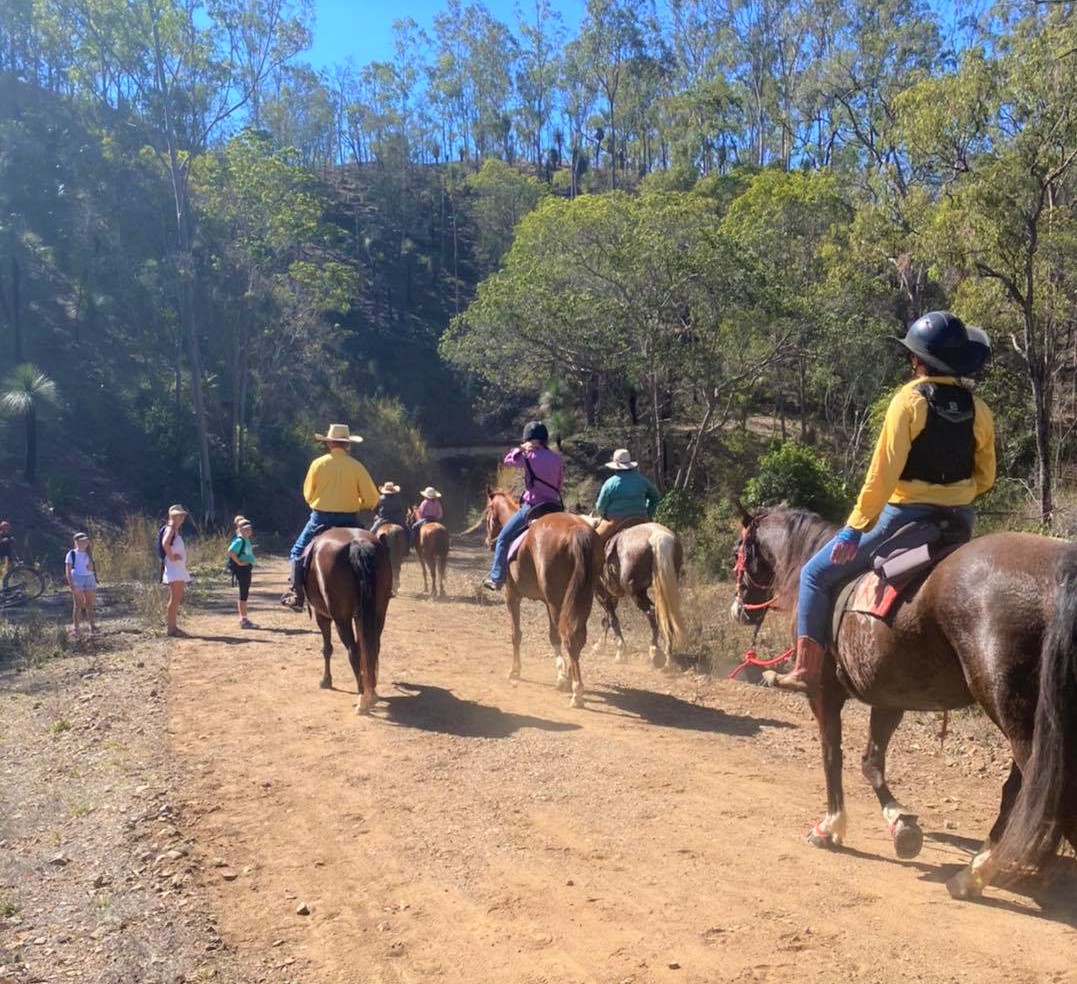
[(745, 583)]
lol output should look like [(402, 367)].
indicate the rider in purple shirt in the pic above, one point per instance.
[(543, 475)]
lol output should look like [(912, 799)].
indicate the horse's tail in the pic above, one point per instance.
[(365, 558), (667, 593), (1046, 807), (580, 590)]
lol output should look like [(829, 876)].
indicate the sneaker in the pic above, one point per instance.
[(491, 585), (246, 623)]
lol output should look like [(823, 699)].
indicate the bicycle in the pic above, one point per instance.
[(21, 584)]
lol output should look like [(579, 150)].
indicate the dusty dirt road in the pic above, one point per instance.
[(474, 830)]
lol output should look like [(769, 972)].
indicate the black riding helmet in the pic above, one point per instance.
[(536, 431), (939, 339), (977, 354)]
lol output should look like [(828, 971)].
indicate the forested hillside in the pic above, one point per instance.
[(688, 227)]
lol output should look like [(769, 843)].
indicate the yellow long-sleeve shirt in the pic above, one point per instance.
[(905, 419), (336, 482)]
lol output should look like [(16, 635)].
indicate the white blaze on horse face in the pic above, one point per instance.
[(737, 612)]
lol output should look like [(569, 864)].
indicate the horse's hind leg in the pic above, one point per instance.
[(573, 640), (658, 657), (564, 682), (326, 625), (442, 564), (901, 822), (971, 880), (347, 637), (512, 601), (826, 706), (368, 670)]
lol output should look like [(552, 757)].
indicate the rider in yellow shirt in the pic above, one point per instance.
[(336, 488), (934, 456)]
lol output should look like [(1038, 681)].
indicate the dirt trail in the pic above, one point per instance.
[(475, 830)]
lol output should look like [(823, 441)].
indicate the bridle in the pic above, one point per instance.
[(742, 576)]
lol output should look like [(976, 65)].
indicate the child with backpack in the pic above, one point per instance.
[(82, 578), (241, 564), (173, 556)]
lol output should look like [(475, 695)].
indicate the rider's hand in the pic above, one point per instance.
[(846, 545), (526, 447)]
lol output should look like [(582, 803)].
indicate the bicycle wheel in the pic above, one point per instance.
[(23, 584)]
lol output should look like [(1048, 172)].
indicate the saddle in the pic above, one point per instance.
[(900, 566), (542, 509)]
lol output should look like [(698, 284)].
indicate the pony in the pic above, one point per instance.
[(348, 581), (396, 539), (432, 549), (994, 624), (636, 559), (559, 564)]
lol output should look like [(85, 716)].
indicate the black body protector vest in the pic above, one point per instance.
[(943, 452)]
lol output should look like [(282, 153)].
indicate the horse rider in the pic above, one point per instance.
[(934, 456), (544, 474), (390, 507), (8, 555), (627, 498), (336, 488), (429, 510)]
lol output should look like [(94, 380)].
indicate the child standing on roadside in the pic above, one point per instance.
[(174, 567), (82, 577), (241, 563)]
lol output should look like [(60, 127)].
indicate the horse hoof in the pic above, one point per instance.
[(964, 885), (577, 700), (597, 647), (326, 684), (908, 837), (821, 837), (514, 674), (564, 685)]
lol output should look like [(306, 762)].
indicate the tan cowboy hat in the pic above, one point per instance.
[(622, 460), (430, 493), (389, 488), (339, 432)]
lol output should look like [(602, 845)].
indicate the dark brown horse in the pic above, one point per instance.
[(396, 539), (559, 564), (994, 624), (348, 581), (432, 549), (637, 559)]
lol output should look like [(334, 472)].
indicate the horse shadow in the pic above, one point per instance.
[(229, 640), (668, 711), (276, 630), (429, 708)]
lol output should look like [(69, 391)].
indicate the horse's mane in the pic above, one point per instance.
[(791, 537), (505, 494)]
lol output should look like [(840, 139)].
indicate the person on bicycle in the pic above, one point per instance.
[(8, 556)]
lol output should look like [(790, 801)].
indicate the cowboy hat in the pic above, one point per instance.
[(177, 510), (622, 460), (339, 432), (430, 493), (389, 488)]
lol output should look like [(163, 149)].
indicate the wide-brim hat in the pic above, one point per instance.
[(177, 510), (339, 432), (430, 493), (622, 460), (389, 488)]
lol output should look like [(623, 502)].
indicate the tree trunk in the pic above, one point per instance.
[(30, 465)]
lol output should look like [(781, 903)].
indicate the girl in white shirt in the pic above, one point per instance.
[(175, 567), (82, 577)]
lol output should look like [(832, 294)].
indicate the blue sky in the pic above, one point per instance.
[(363, 28)]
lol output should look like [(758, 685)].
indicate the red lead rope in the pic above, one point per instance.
[(751, 659)]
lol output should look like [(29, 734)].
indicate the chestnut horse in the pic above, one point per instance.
[(637, 559), (994, 624), (396, 539), (559, 564), (432, 549), (348, 583)]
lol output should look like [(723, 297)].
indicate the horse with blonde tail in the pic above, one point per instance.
[(558, 562), (638, 559)]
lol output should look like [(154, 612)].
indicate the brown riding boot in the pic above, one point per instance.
[(294, 597), (806, 675)]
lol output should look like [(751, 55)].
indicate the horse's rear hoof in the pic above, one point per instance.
[(514, 674), (908, 837), (577, 700), (564, 685), (326, 684), (964, 885)]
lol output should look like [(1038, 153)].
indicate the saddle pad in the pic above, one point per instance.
[(514, 547)]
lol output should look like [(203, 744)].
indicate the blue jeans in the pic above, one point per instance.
[(321, 519), (821, 580), (512, 529)]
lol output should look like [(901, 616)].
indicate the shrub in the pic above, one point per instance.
[(799, 476), (680, 510)]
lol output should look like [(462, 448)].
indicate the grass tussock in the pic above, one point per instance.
[(32, 641)]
